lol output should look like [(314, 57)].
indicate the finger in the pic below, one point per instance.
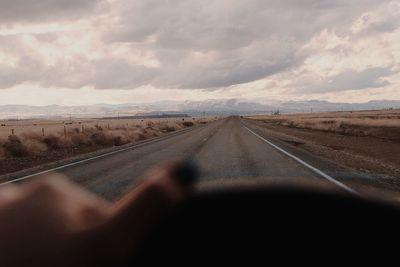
[(72, 205), (137, 213), (48, 213), (9, 194)]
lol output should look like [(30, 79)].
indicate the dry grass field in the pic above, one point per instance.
[(368, 141), (29, 143), (382, 124)]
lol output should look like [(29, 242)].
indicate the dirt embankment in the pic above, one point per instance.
[(30, 149), (363, 141)]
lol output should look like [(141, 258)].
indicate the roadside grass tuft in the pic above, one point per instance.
[(188, 124), (39, 140)]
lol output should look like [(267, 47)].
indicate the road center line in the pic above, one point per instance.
[(302, 162)]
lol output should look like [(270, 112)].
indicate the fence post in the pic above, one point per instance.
[(83, 128), (43, 131), (12, 131)]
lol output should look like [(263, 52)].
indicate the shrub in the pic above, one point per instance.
[(81, 140), (52, 142), (119, 141), (34, 146), (2, 153), (98, 127), (188, 124), (103, 139), (168, 129), (14, 147), (140, 137)]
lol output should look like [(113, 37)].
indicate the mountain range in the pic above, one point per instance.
[(192, 108)]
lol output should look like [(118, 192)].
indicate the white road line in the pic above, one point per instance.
[(92, 158), (302, 162)]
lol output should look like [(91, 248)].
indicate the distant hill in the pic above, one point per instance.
[(192, 108)]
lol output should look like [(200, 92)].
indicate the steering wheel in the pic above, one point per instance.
[(280, 223)]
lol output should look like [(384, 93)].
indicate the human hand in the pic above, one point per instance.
[(54, 222)]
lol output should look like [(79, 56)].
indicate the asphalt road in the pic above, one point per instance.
[(227, 151)]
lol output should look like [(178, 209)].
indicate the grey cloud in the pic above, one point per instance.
[(72, 73), (28, 11), (220, 25), (119, 74), (230, 67), (26, 67), (386, 25), (249, 39), (10, 77), (34, 71), (246, 40), (104, 74), (352, 80)]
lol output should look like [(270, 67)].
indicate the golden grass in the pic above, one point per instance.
[(32, 138), (382, 123)]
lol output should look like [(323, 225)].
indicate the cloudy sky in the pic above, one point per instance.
[(78, 52)]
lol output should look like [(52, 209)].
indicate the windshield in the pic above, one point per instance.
[(304, 93), (137, 130)]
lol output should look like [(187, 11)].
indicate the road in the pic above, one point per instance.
[(228, 151)]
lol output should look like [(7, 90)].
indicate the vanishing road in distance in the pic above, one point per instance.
[(230, 152)]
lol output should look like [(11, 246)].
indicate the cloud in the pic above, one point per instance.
[(215, 44), (352, 80), (386, 18), (120, 74), (306, 46), (34, 11)]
